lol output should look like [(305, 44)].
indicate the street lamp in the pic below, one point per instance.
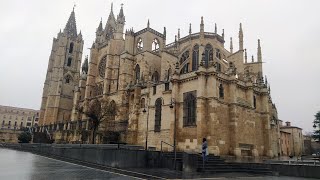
[(173, 103), (144, 111)]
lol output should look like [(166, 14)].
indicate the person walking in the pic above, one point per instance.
[(205, 151)]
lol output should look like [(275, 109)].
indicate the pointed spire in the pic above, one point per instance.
[(259, 52), (111, 15), (164, 32), (190, 31), (215, 28), (100, 26), (231, 45), (266, 80), (240, 38), (201, 25), (222, 33), (120, 17), (148, 24), (71, 27), (121, 11), (178, 33), (245, 55), (252, 58)]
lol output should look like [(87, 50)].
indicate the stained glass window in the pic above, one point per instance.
[(189, 108), (157, 118), (102, 67)]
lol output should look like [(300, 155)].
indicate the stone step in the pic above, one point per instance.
[(264, 172)]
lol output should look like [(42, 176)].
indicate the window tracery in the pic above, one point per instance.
[(195, 58), (140, 44), (208, 55), (102, 67), (155, 45)]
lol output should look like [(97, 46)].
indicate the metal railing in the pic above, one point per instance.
[(162, 142)]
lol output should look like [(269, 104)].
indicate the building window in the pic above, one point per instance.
[(137, 72), (112, 117), (3, 122), (208, 55), (189, 108), (29, 124), (218, 54), (169, 74), (157, 118), (140, 45), (184, 57), (195, 58), (21, 124), (15, 123), (254, 102), (185, 69), (218, 67), (221, 91), (71, 48), (69, 61), (155, 45), (142, 103), (155, 77), (166, 86), (154, 90)]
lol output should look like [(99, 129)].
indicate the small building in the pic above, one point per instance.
[(295, 139)]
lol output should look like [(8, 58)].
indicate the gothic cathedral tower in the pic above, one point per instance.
[(62, 75)]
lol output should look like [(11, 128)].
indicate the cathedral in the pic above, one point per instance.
[(175, 93)]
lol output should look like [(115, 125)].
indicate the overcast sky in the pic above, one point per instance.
[(289, 31)]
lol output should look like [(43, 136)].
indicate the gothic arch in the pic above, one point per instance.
[(195, 57), (189, 109), (155, 45), (71, 47), (155, 77), (221, 91)]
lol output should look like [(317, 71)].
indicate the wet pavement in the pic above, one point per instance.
[(17, 165)]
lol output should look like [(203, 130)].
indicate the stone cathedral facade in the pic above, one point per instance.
[(185, 90)]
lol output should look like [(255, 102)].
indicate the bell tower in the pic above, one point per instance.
[(62, 75)]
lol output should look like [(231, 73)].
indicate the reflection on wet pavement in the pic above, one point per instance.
[(17, 165)]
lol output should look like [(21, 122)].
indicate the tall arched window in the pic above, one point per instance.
[(254, 102), (155, 77), (218, 54), (195, 58), (155, 45), (142, 103), (112, 117), (69, 61), (157, 118), (208, 55), (140, 44), (221, 91), (189, 108), (169, 74), (137, 72), (71, 48), (185, 69), (218, 67)]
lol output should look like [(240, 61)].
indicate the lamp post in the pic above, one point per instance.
[(173, 103), (144, 111)]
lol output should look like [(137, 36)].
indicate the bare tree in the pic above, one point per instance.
[(98, 111)]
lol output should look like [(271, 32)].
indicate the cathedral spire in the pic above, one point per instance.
[(148, 24), (190, 29), (121, 17), (71, 27), (259, 52), (178, 33), (164, 32), (223, 34), (231, 45), (111, 15), (100, 26), (240, 38)]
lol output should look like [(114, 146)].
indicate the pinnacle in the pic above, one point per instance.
[(71, 26)]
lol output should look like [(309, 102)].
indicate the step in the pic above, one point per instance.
[(237, 170)]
